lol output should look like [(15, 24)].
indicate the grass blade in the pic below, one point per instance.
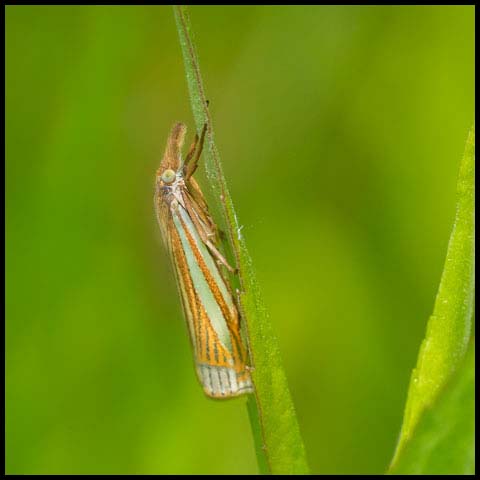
[(279, 445), (444, 440), (449, 328)]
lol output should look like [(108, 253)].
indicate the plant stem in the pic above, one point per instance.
[(279, 445)]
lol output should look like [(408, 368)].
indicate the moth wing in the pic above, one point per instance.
[(211, 314)]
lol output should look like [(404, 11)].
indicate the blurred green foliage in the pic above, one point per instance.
[(340, 130)]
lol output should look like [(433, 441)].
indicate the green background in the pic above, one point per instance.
[(341, 130)]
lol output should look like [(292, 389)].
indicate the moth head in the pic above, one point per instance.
[(168, 176)]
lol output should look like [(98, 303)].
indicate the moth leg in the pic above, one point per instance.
[(221, 234), (200, 210), (191, 165), (191, 150), (220, 258), (211, 239), (206, 232)]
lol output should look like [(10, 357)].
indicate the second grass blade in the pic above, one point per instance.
[(449, 328)]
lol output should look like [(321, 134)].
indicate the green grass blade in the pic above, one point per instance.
[(444, 440), (449, 328), (279, 445)]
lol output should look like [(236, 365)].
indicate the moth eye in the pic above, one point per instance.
[(168, 176)]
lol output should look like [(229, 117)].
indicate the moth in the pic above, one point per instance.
[(191, 237)]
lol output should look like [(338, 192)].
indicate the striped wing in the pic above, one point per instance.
[(211, 314)]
